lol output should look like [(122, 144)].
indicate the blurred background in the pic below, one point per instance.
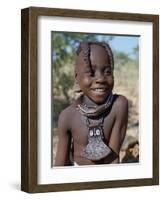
[(126, 74)]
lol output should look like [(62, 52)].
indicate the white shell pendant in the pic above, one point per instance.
[(96, 149)]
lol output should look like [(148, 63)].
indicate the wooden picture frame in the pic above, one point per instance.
[(29, 99)]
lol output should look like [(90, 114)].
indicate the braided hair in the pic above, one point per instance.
[(84, 48)]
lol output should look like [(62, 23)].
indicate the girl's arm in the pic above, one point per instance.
[(64, 143), (120, 125)]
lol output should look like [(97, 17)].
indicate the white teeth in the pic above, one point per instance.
[(99, 90)]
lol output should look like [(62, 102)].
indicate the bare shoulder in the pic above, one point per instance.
[(64, 116), (121, 105), (121, 101), (66, 112)]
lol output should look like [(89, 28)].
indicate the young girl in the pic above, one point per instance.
[(93, 128)]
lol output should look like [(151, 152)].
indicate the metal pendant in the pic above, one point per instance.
[(96, 149)]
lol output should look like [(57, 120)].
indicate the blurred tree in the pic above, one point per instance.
[(135, 52), (64, 45), (120, 58), (63, 52)]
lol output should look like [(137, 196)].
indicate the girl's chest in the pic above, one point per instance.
[(83, 127)]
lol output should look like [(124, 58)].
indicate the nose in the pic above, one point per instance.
[(100, 77)]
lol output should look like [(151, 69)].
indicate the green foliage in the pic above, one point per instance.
[(64, 45), (120, 58), (126, 73)]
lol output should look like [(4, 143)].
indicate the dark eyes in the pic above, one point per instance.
[(107, 71), (92, 72)]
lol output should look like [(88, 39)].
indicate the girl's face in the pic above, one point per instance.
[(95, 81)]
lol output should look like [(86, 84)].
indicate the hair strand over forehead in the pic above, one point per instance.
[(84, 48)]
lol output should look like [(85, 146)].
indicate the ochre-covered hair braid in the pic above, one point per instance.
[(84, 48)]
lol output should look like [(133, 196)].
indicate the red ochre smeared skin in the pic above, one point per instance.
[(96, 83)]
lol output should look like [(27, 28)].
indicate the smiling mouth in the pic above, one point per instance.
[(99, 90)]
